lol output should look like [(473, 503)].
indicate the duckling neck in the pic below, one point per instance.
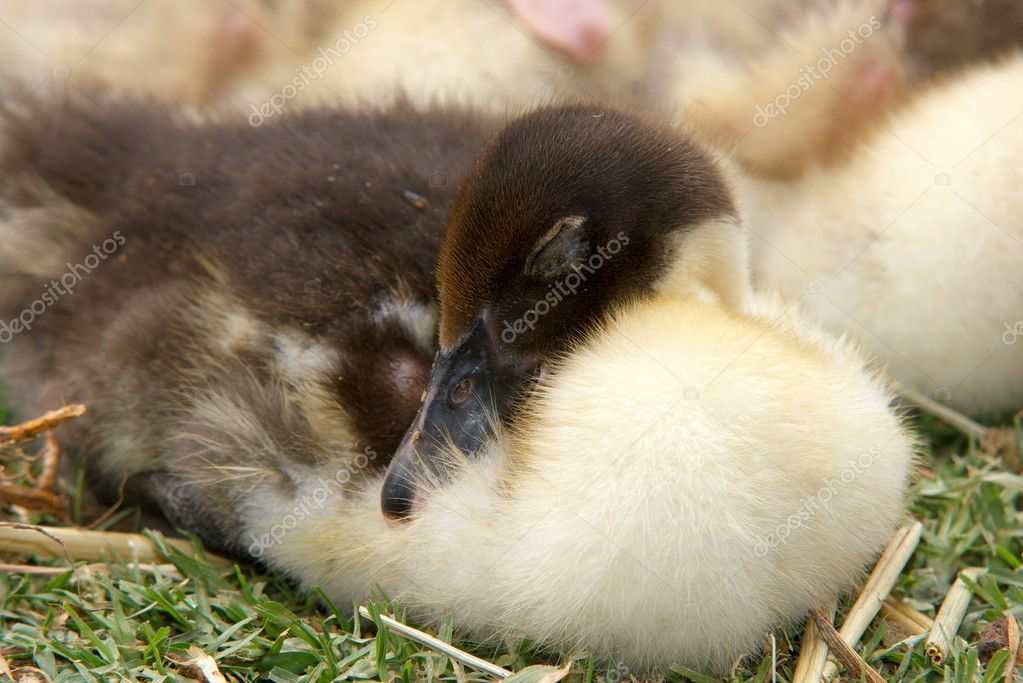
[(788, 220), (710, 262)]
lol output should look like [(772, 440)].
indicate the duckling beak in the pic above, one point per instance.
[(469, 390)]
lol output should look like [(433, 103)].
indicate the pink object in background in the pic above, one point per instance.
[(579, 28)]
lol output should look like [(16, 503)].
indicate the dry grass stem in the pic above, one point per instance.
[(438, 645), (34, 499), (1012, 630), (51, 463), (944, 413), (86, 571), (950, 616), (912, 622), (5, 668), (843, 652), (81, 544), (33, 428), (206, 665), (877, 588), (813, 653)]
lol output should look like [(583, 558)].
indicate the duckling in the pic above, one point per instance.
[(198, 52), (719, 63), (234, 304), (255, 340), (548, 231), (806, 99), (496, 55), (915, 246), (685, 480), (264, 58)]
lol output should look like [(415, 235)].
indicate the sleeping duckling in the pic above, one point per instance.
[(564, 201), (678, 486), (916, 245), (676, 453), (253, 341), (234, 304)]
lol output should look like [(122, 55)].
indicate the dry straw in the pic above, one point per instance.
[(438, 645), (950, 616), (858, 669), (908, 619), (877, 588), (813, 653), (82, 544)]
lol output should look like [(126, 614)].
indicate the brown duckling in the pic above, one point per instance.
[(252, 300), (569, 212)]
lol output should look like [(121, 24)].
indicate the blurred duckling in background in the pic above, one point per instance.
[(915, 247), (806, 98), (722, 64), (261, 329), (191, 50), (717, 61)]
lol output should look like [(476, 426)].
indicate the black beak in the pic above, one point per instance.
[(470, 389)]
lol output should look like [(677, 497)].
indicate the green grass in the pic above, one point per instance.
[(4, 415), (133, 625)]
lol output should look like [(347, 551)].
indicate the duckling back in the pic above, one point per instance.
[(681, 484), (234, 304)]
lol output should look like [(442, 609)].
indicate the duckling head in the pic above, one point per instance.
[(569, 212)]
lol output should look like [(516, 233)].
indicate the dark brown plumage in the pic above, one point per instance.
[(945, 35), (569, 211), (620, 173), (268, 303)]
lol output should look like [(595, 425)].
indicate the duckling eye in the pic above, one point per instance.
[(463, 391), (561, 248)]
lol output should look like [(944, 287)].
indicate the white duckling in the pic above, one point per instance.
[(681, 484), (915, 247)]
